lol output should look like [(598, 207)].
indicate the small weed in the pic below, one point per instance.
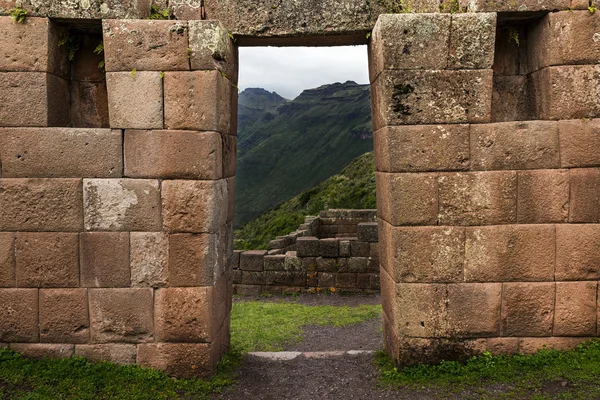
[(162, 74), (99, 50), (157, 13), (71, 42), (133, 71), (592, 9), (189, 52), (233, 38), (18, 14), (513, 35), (368, 35)]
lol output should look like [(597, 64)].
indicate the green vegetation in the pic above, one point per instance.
[(71, 42), (158, 13), (99, 50), (268, 326), (513, 35), (18, 14), (573, 373), (354, 187)]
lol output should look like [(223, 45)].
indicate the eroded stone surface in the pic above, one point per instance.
[(135, 99), (64, 316), (212, 48), (149, 259)]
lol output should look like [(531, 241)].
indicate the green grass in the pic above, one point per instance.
[(519, 376)]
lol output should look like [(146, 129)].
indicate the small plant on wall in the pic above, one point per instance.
[(18, 14)]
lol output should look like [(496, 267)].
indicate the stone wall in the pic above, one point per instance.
[(116, 212), (314, 258), (489, 228)]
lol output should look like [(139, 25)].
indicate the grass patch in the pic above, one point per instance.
[(538, 376), (268, 326)]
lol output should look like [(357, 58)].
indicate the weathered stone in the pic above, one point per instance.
[(575, 312), (579, 143), (359, 248), (194, 206), (273, 262), (474, 309), (199, 100), (105, 259), (7, 259), (145, 45), (357, 264), (577, 252), (408, 199), (184, 315), (193, 259), (421, 148), (471, 42), (510, 54), (527, 309), (532, 345), (252, 260), (121, 204), (307, 246), (149, 258), (329, 248), (292, 263), (18, 315), (121, 315), (115, 353), (249, 290), (183, 360), (64, 316), (509, 5), (47, 259), (431, 97), (95, 9), (512, 99), (543, 196), (173, 154), (327, 264), (345, 281), (40, 351), (421, 310), (135, 99), (89, 104), (515, 145), (584, 198), (212, 48), (477, 198), (499, 346), (229, 155), (285, 278), (368, 232), (345, 248), (509, 253)]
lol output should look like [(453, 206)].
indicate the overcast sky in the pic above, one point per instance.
[(290, 70)]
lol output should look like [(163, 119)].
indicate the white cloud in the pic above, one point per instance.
[(290, 70)]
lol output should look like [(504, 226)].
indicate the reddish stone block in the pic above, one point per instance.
[(41, 205), (135, 99), (18, 315), (421, 148), (199, 100), (421, 310), (192, 259), (584, 201), (121, 315), (499, 346), (407, 199), (173, 154), (194, 206), (510, 253), (512, 98), (575, 312), (579, 141), (212, 48), (39, 351), (89, 104), (543, 196), (580, 4), (60, 152), (471, 42), (47, 259), (477, 198), (145, 45), (105, 259), (182, 360), (121, 204), (64, 316), (515, 145), (7, 259), (115, 353), (474, 309), (532, 345), (229, 155), (577, 252), (528, 309), (149, 257), (431, 97)]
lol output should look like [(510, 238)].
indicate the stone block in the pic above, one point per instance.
[(135, 99), (104, 259), (327, 264), (409, 41), (252, 260), (359, 248), (145, 45), (543, 196), (182, 360), (357, 264), (18, 315), (307, 246), (565, 38), (345, 248), (7, 259), (33, 99), (499, 346), (579, 141), (528, 309), (567, 92), (173, 154), (345, 281), (421, 310), (477, 198), (292, 262), (184, 315), (253, 277), (584, 200), (194, 206), (374, 250), (89, 104), (431, 97), (285, 278), (199, 100), (270, 262), (60, 152), (64, 316), (510, 58), (532, 345), (329, 248), (47, 259), (249, 290), (421, 148), (121, 315), (577, 252), (193, 259), (327, 279), (121, 204), (97, 9), (235, 261), (237, 276), (515, 145), (522, 6), (212, 48), (579, 4), (368, 232), (41, 205), (427, 254), (474, 309), (512, 99), (149, 258), (116, 353), (509, 253), (471, 42), (229, 155), (40, 351), (575, 312)]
